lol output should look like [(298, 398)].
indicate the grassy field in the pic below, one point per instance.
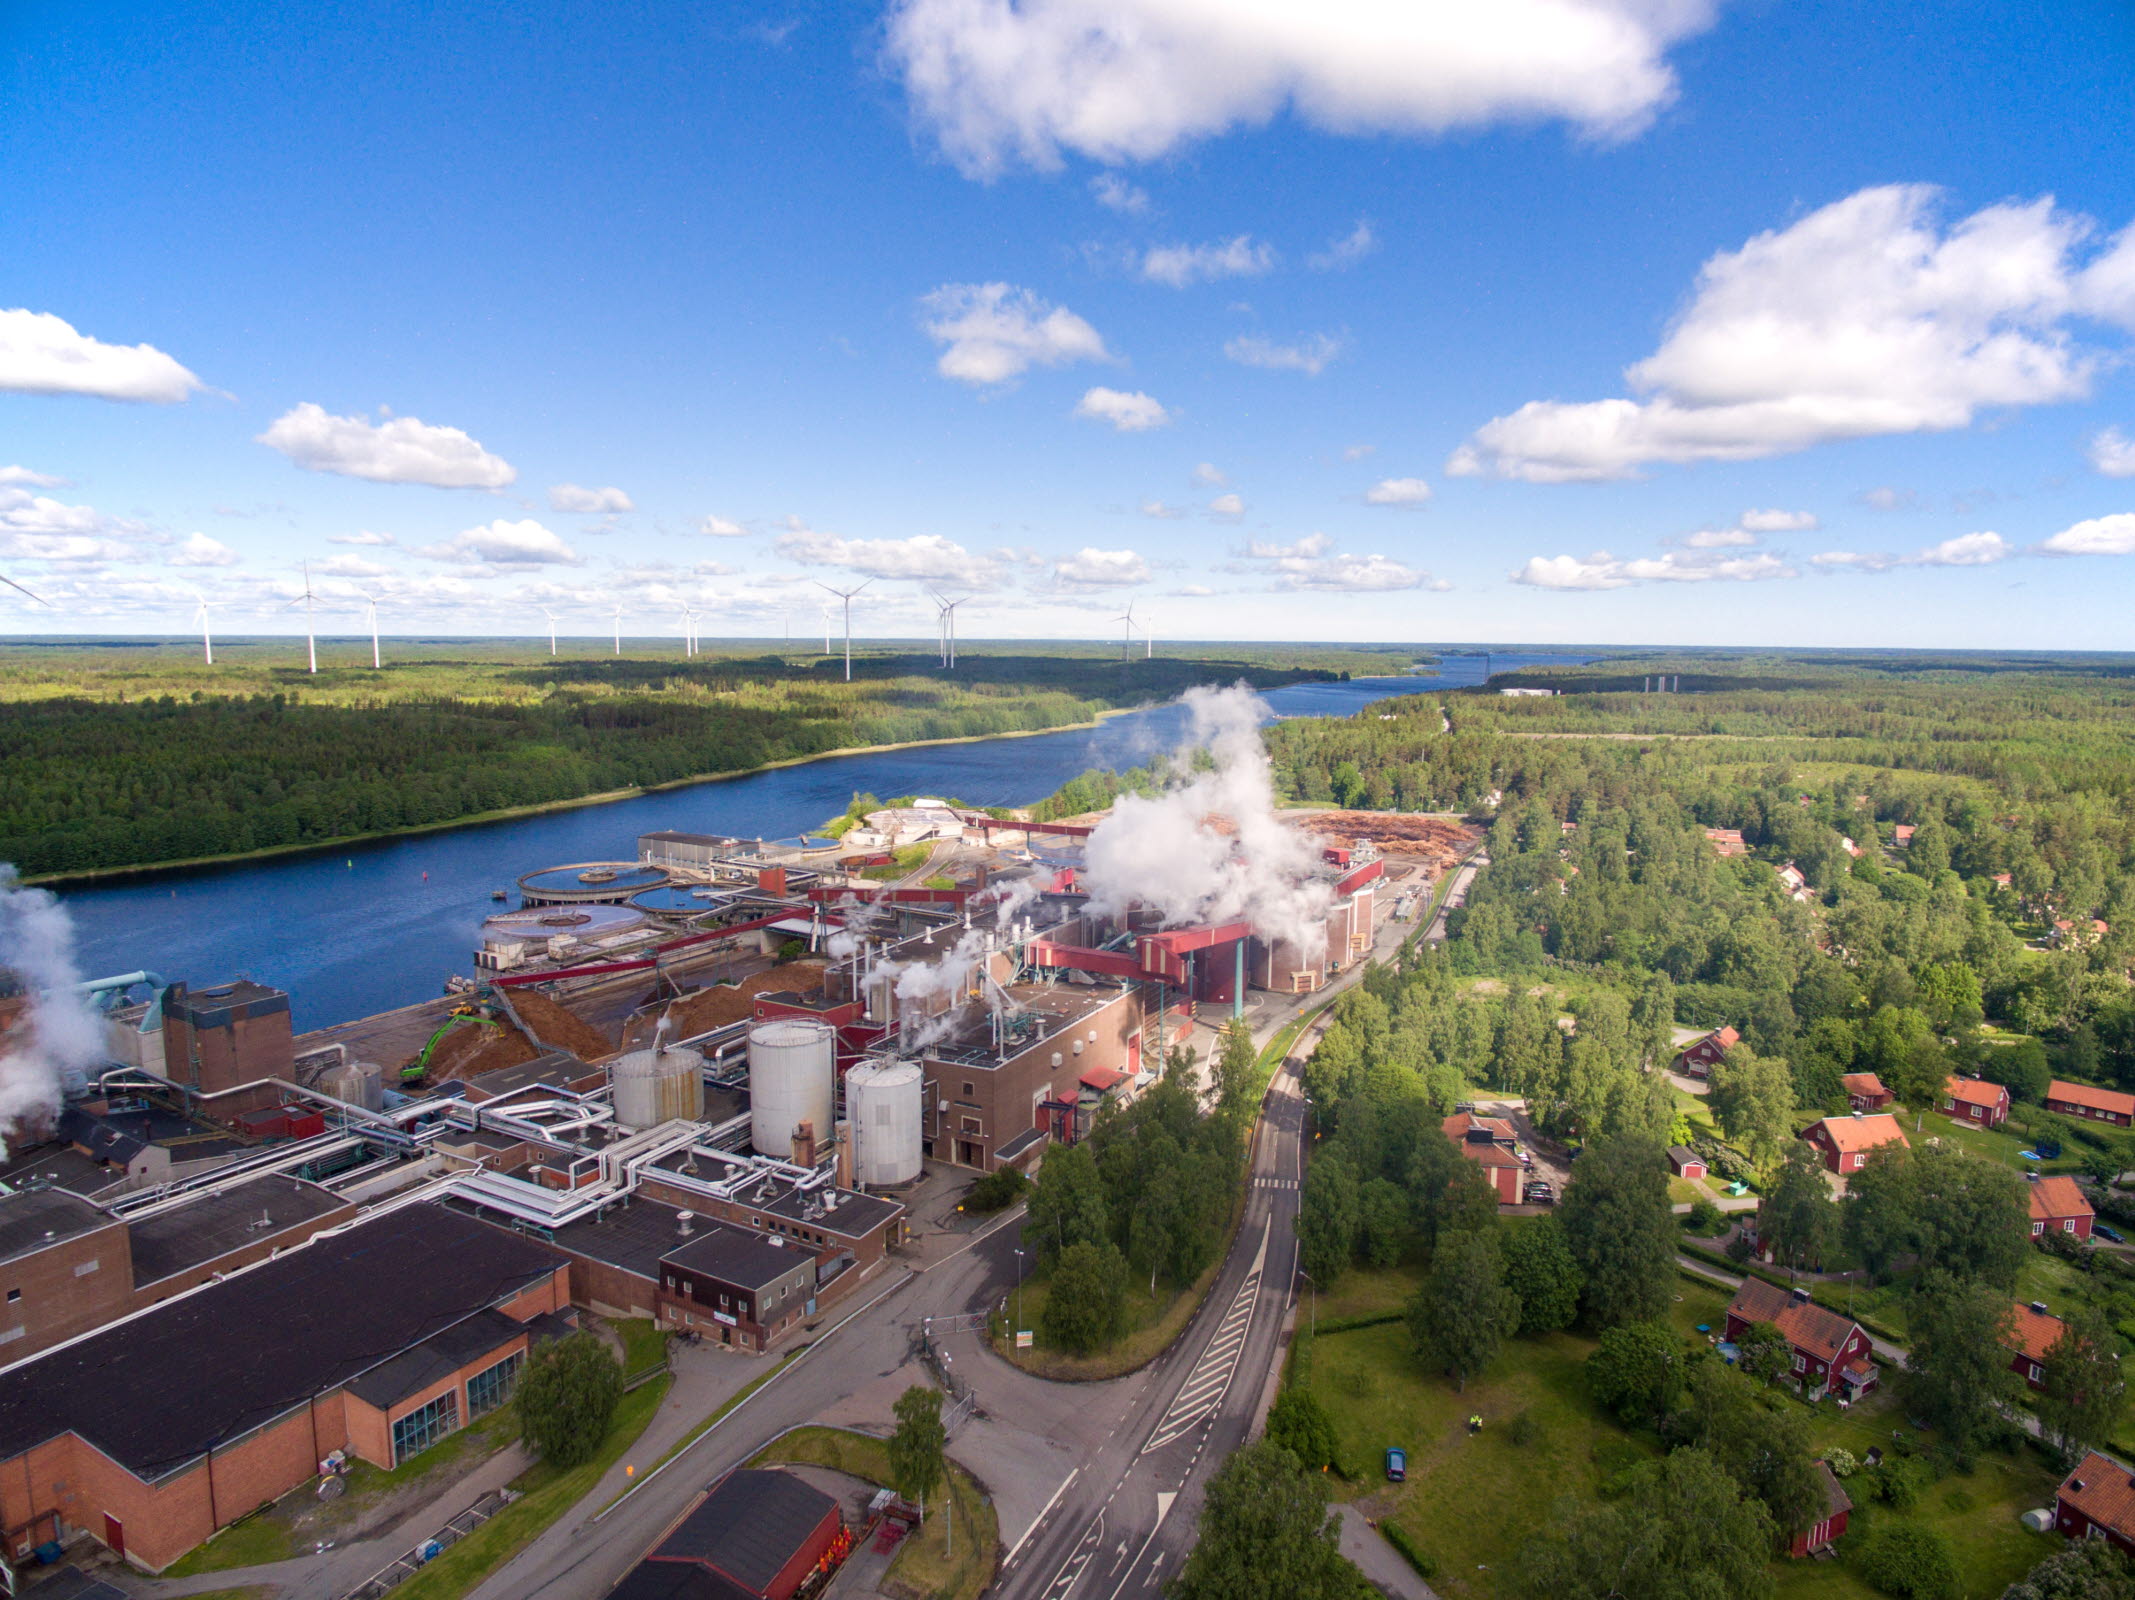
[(923, 1567), (1153, 1321), (1471, 1501)]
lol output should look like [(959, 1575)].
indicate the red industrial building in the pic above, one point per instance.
[(1492, 1145), (757, 1535)]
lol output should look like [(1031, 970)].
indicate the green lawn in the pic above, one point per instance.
[(644, 1345)]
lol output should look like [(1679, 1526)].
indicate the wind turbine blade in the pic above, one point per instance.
[(12, 584)]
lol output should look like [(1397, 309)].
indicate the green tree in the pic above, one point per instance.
[(1539, 1269), (1797, 1219), (1621, 1230), (2084, 1388), (1764, 1353), (1956, 1212), (567, 1394), (1753, 1098), (1767, 1451), (1067, 1207), (1463, 1313), (1637, 1370), (1683, 1530), (1910, 1560), (1265, 1531), (1957, 1378), (1237, 1069), (918, 1444), (1329, 1212), (1301, 1425), (1085, 1303), (2090, 1570), (1383, 1222)]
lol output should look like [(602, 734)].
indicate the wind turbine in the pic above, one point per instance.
[(847, 596), (41, 600), (826, 630), (1126, 643), (207, 645), (306, 600), (546, 612), (941, 627), (948, 611), (689, 630), (618, 627), (1148, 639), (370, 605)]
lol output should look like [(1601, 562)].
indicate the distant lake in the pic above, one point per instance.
[(373, 926)]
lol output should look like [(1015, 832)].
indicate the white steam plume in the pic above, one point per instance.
[(60, 1037), (1163, 855)]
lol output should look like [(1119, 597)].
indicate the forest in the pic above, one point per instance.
[(124, 759)]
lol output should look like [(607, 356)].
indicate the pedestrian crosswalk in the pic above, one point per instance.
[(1274, 1183), (1210, 1379)]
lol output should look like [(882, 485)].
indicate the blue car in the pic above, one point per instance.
[(2103, 1232), (1397, 1464)]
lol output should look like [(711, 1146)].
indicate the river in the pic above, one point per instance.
[(377, 925)]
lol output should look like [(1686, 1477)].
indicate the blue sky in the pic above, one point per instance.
[(1575, 320)]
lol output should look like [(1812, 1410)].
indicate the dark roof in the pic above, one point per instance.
[(57, 1166), (156, 1391), (551, 1069), (223, 1003), (849, 1215), (437, 1357), (750, 1525), (1020, 1143), (213, 1225), (632, 1237), (36, 1219), (93, 1134), (1685, 1156), (1805, 1324), (735, 1257), (676, 1580)]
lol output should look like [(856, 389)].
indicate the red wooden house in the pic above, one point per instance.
[(1845, 1142), (2033, 1335), (1865, 1091), (1975, 1100), (1492, 1144), (2097, 1500), (1696, 1059), (1830, 1350), (1831, 1526), (2058, 1206), (2095, 1105)]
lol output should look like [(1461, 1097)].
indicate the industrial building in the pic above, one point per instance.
[(757, 1535)]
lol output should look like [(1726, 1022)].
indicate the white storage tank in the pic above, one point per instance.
[(792, 1079), (355, 1083), (656, 1086), (884, 1099)]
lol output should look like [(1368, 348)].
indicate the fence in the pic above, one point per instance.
[(400, 1570)]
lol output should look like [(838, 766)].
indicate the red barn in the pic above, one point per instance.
[(1975, 1100), (1830, 1350), (1685, 1162), (2097, 1105), (1696, 1060), (2097, 1500), (1831, 1526), (2034, 1335), (1865, 1091), (1845, 1142), (2058, 1206)]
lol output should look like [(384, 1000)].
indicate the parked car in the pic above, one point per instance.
[(1397, 1464), (2103, 1232), (1541, 1194)]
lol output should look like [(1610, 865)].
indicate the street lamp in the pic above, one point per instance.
[(1019, 1289), (1315, 1322)]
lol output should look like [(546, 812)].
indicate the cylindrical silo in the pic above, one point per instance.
[(656, 1086), (884, 1099), (792, 1076), (373, 1078)]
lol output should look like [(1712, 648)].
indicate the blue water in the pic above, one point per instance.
[(380, 925)]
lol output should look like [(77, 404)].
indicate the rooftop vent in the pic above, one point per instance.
[(1801, 1296), (683, 1219), (2039, 1306), (260, 1223)]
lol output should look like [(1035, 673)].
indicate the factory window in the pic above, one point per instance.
[(419, 1430), (971, 1125), (687, 1287), (13, 1295), (970, 1089), (490, 1388)]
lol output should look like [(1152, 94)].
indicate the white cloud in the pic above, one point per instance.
[(926, 556), (44, 354), (1357, 452), (505, 544), (1603, 571), (1778, 521), (35, 527), (1884, 498), (1311, 355), (1355, 574), (1115, 193), (397, 450), (1209, 476), (1132, 80), (1864, 318), (1719, 538), (1101, 569), (1228, 505), (1311, 545), (1192, 591), (1397, 492), (1183, 264), (11, 476), (198, 550), (992, 332), (2111, 451), (589, 502), (1130, 411), (1157, 508), (2096, 536), (1966, 550), (363, 536), (717, 527), (1348, 250), (351, 567)]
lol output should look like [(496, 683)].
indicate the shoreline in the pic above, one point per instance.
[(154, 869)]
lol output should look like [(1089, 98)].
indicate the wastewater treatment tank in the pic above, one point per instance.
[(883, 1100), (792, 1077), (656, 1086)]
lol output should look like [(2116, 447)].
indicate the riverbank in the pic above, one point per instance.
[(149, 870)]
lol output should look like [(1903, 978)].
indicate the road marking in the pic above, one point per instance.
[(1065, 1484), (1071, 1570), (1210, 1380)]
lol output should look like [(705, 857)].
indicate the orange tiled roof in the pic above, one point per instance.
[(2102, 1490), (2082, 1094), (1456, 1126), (2057, 1197), (1807, 1325), (1851, 1134), (1863, 1083), (2035, 1332), (1975, 1091)]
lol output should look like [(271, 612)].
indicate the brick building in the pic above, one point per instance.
[(739, 1288), (757, 1535), (1492, 1145), (153, 1433), (215, 1040)]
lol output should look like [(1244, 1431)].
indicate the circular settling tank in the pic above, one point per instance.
[(589, 882), (548, 922), (670, 900)]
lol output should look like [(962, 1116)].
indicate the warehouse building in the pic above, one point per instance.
[(757, 1535), (378, 1339)]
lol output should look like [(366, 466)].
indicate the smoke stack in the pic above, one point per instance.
[(804, 1144)]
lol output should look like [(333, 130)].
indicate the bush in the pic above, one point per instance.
[(1899, 1482), (1523, 1430), (1703, 1219), (1906, 1559), (996, 1191), (1411, 1552), (1300, 1424), (1086, 1307), (1841, 1462)]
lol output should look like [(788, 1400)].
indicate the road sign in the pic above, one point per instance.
[(1023, 1339)]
